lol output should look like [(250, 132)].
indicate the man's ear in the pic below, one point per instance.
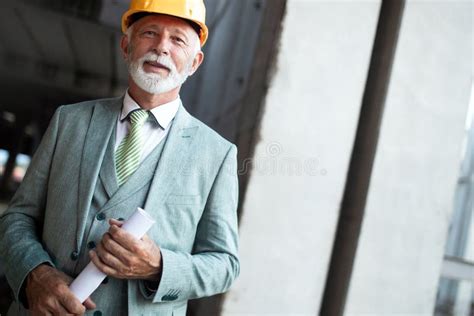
[(124, 46), (197, 62)]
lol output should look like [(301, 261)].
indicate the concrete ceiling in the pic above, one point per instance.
[(42, 49)]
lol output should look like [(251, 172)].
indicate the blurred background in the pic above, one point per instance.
[(354, 123)]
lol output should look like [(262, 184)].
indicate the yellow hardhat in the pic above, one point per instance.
[(192, 10)]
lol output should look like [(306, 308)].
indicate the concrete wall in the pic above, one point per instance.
[(300, 164), (410, 200), (290, 214)]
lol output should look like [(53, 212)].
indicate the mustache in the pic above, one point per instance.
[(164, 60)]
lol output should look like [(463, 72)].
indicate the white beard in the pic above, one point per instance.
[(155, 83)]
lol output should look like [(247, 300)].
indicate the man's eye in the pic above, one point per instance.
[(178, 39), (149, 33)]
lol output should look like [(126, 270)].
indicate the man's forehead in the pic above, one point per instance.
[(158, 20)]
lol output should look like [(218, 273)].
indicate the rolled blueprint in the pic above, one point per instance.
[(90, 278)]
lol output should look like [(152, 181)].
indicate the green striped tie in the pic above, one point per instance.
[(127, 156)]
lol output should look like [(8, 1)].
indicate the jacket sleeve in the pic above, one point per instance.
[(21, 224), (214, 263)]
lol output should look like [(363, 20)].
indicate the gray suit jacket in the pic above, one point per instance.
[(193, 197)]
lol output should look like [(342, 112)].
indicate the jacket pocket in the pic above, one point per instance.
[(175, 199), (180, 310)]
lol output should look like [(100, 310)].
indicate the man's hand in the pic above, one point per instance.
[(47, 292), (122, 256)]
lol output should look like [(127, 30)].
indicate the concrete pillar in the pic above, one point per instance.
[(465, 294), (299, 168), (398, 261)]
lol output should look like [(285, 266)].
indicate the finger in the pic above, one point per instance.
[(108, 244), (113, 254), (63, 310), (41, 312), (102, 267), (115, 222), (89, 303), (147, 239), (52, 308), (108, 258), (149, 245), (125, 239), (71, 304), (46, 312)]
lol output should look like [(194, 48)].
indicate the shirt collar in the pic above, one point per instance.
[(163, 114)]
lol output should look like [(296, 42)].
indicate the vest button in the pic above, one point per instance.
[(100, 216), (91, 245), (74, 255), (97, 313)]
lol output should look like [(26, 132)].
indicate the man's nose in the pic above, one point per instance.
[(162, 45)]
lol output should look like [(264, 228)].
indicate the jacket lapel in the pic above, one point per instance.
[(104, 116), (178, 147), (107, 172)]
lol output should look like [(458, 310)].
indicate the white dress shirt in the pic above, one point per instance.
[(153, 131)]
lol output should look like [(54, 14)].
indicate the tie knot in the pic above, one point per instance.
[(138, 117)]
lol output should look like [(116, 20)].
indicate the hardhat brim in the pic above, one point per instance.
[(126, 22)]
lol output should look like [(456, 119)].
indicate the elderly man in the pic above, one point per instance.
[(100, 160)]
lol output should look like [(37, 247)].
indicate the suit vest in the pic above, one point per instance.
[(111, 201)]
